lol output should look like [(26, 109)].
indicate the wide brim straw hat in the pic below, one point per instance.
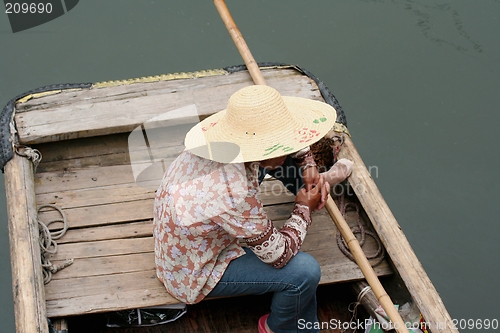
[(260, 124)]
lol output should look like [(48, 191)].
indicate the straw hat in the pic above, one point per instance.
[(259, 124)]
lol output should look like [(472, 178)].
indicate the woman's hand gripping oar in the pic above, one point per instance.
[(331, 207)]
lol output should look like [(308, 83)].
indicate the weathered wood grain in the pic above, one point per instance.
[(27, 284), (119, 91), (108, 232), (92, 114), (100, 265), (102, 204), (105, 293), (101, 196), (104, 248), (96, 266)]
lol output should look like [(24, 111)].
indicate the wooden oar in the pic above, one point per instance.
[(365, 266), (331, 207), (241, 45)]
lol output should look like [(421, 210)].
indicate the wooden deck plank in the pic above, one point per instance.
[(61, 155), (104, 248), (348, 272), (278, 213), (107, 194), (340, 271), (116, 149), (105, 293), (111, 188), (321, 234), (66, 289), (144, 228), (104, 214), (121, 212), (230, 315), (121, 291), (96, 266), (109, 270), (139, 255), (100, 285), (109, 204), (54, 120), (108, 232), (161, 137), (123, 91), (113, 300), (52, 182)]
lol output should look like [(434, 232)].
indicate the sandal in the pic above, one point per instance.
[(262, 323)]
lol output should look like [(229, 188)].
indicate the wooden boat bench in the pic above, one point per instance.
[(100, 165)]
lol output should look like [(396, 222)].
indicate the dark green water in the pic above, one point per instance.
[(419, 81)]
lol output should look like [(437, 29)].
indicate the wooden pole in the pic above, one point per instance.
[(366, 298), (29, 293), (365, 266), (241, 45), (331, 207)]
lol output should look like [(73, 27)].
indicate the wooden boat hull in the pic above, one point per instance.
[(104, 148)]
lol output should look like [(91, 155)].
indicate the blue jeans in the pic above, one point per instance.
[(293, 304)]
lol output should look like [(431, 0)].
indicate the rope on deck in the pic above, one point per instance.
[(379, 255), (47, 237), (335, 143), (48, 246)]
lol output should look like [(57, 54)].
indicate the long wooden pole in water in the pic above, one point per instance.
[(241, 45), (331, 207)]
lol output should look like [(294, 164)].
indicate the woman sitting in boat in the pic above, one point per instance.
[(209, 201)]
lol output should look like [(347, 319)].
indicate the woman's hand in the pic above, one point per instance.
[(315, 198), (311, 178)]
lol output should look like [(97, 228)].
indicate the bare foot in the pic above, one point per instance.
[(338, 172)]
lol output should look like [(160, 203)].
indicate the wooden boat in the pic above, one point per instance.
[(104, 147)]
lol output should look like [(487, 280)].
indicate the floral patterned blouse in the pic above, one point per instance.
[(202, 208)]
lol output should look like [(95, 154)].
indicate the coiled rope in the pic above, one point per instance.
[(47, 237), (379, 255), (335, 143), (48, 246)]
